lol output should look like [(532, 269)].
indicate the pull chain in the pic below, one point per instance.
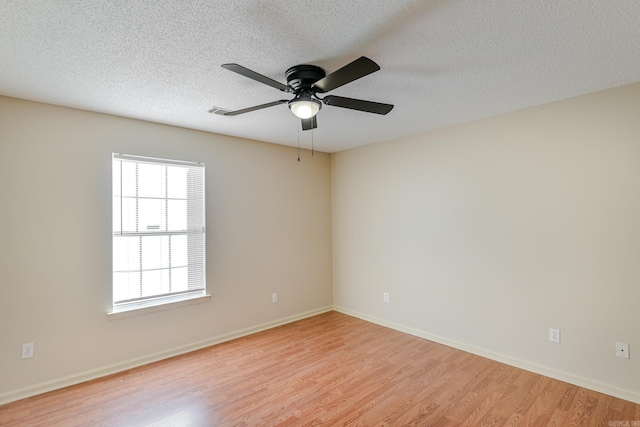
[(312, 152), (298, 144)]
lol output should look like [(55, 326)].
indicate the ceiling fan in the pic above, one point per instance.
[(305, 82)]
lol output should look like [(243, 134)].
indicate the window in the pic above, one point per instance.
[(158, 231)]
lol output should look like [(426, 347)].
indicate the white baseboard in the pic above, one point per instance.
[(522, 364), (70, 380)]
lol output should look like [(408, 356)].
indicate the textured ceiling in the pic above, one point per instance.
[(442, 62)]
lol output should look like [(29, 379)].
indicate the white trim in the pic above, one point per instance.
[(577, 380), (167, 305), (70, 380), (156, 160)]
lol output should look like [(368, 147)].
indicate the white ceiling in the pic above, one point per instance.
[(442, 61)]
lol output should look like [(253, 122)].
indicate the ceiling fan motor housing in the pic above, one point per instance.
[(300, 77)]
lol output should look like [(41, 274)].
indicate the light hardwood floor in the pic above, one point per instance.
[(332, 370)]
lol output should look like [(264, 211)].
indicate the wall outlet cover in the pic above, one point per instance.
[(622, 350), (554, 335), (27, 350)]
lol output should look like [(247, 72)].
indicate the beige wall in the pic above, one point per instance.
[(489, 233), (484, 234), (268, 230)]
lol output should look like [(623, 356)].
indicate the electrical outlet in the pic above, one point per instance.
[(27, 350), (554, 335), (385, 297), (622, 350), (274, 297)]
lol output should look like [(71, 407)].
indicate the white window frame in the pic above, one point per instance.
[(191, 230)]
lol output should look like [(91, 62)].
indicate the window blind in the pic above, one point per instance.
[(158, 231)]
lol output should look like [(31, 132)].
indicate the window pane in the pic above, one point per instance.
[(151, 180), (179, 279), (195, 208), (128, 179), (155, 252), (151, 214), (129, 217), (115, 175), (177, 177), (177, 215), (116, 214), (196, 261), (179, 253), (155, 282), (126, 253), (126, 286), (151, 283)]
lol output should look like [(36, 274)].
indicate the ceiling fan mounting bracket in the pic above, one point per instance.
[(300, 77)]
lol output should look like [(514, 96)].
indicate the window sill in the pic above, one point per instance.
[(136, 311)]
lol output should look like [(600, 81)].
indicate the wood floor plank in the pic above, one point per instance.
[(561, 411), (328, 370)]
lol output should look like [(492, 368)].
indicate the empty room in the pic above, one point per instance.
[(250, 213)]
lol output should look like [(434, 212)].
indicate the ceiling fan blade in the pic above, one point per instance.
[(257, 107), (310, 123), (350, 72), (357, 104), (255, 76)]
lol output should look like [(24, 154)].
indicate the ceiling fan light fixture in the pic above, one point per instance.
[(304, 107)]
